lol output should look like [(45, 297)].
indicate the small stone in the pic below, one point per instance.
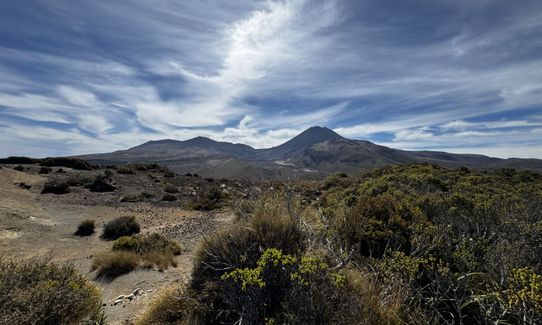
[(118, 301), (120, 297), (129, 297), (136, 291)]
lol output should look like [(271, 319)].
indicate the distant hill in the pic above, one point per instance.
[(314, 153)]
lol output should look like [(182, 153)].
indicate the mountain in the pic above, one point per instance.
[(297, 145), (314, 153)]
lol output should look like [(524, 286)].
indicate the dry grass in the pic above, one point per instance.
[(111, 264), (172, 306), (132, 252)]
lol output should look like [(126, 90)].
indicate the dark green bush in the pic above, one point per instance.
[(169, 197), (121, 226), (56, 187), (208, 200), (66, 162), (45, 170), (19, 168), (85, 228), (40, 292), (102, 184)]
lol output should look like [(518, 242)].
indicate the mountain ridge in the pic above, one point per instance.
[(313, 153)]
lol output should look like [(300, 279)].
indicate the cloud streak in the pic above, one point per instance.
[(416, 75)]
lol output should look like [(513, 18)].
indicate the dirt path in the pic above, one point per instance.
[(32, 224)]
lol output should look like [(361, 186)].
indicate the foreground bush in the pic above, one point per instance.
[(56, 187), (464, 244), (258, 272), (121, 226), (40, 292), (85, 228)]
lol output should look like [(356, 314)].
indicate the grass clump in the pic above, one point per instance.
[(136, 197), (208, 200), (169, 197), (170, 306), (121, 226), (153, 249), (102, 184), (56, 187), (86, 228), (38, 291), (170, 188), (109, 265), (137, 251), (45, 170)]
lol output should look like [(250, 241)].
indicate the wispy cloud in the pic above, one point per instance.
[(416, 75)]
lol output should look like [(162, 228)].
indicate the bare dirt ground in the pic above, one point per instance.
[(34, 224)]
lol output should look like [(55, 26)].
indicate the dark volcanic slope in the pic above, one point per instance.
[(313, 153), (297, 146)]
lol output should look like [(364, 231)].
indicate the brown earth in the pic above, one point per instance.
[(34, 224)]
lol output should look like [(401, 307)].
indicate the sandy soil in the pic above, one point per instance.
[(34, 224)]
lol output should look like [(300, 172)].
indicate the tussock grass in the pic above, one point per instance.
[(85, 228), (121, 226), (111, 264)]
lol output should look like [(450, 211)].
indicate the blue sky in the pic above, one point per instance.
[(97, 76)]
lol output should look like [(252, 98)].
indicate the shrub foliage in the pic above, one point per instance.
[(37, 291)]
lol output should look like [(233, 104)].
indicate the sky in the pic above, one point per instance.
[(97, 76)]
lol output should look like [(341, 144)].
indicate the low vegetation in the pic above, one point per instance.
[(73, 163), (85, 228), (37, 291), (208, 200), (169, 197), (414, 244), (102, 183), (121, 226), (137, 251), (56, 187), (109, 265)]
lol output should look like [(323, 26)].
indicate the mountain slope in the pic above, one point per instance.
[(313, 153), (297, 145)]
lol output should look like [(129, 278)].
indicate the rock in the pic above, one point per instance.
[(136, 291), (120, 297), (130, 296), (118, 301)]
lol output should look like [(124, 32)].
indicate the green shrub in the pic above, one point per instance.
[(85, 228), (56, 187), (101, 184), (121, 226), (66, 162), (37, 291), (208, 200)]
